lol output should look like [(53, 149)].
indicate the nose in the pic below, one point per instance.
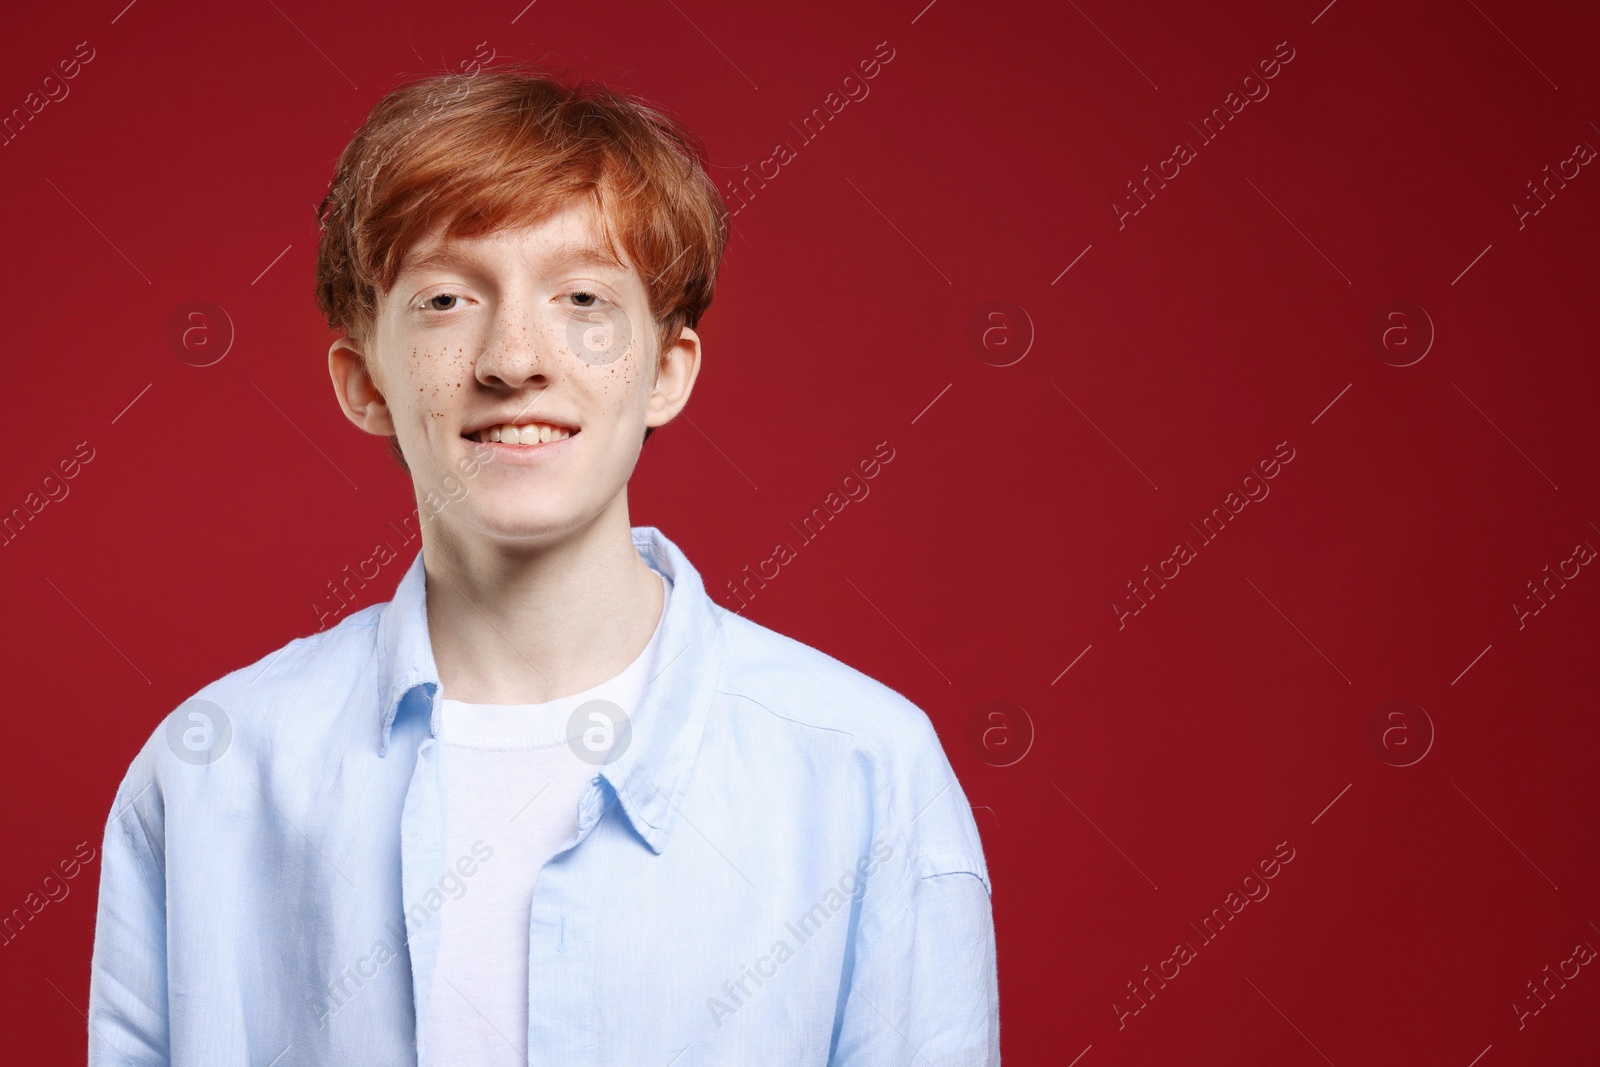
[(520, 349)]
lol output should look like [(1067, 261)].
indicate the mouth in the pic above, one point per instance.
[(522, 435)]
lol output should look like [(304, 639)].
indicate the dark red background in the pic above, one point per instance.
[(1177, 752)]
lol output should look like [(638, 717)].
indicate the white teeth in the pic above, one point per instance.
[(529, 434)]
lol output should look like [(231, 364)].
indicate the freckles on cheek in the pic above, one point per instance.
[(457, 359), (431, 392), (627, 368), (617, 378)]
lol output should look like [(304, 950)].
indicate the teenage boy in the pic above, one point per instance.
[(550, 804)]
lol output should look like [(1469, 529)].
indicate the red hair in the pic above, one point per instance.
[(504, 147)]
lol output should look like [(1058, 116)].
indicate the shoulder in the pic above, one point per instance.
[(288, 699), (800, 687), (797, 682), (298, 688)]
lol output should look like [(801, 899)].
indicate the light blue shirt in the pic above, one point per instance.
[(779, 867)]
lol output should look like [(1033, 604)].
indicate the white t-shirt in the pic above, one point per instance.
[(512, 784)]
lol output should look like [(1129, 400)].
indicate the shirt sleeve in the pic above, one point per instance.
[(924, 992), (128, 972)]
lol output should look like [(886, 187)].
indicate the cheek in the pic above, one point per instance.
[(622, 381), (440, 375)]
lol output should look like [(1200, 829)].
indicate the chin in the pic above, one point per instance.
[(520, 523)]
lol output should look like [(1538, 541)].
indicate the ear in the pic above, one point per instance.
[(359, 394), (676, 371)]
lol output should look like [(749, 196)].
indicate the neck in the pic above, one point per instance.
[(523, 625)]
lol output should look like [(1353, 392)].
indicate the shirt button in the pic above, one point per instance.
[(595, 780)]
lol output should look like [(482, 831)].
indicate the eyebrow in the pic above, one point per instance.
[(451, 255)]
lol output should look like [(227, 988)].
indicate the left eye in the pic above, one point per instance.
[(587, 299)]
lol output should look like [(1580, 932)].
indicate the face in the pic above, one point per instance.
[(519, 372)]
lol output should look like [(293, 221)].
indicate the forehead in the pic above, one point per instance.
[(569, 237)]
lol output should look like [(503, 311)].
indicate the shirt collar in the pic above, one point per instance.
[(651, 776)]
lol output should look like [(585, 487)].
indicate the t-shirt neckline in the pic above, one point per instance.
[(499, 726)]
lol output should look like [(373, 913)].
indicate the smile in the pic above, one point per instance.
[(533, 433)]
